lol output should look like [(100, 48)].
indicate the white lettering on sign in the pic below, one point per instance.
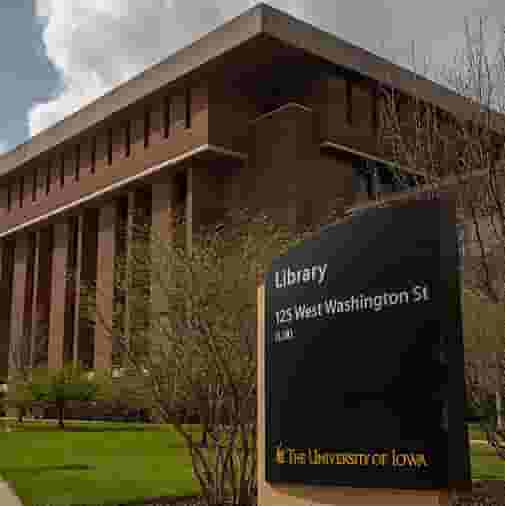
[(289, 277)]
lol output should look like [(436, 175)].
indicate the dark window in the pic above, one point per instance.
[(48, 178), (34, 187), (147, 126), (77, 161), (9, 196), (365, 178), (21, 190), (128, 137), (375, 178), (348, 101), (387, 180), (166, 117), (62, 169), (109, 146), (188, 107), (391, 180), (375, 110), (93, 155)]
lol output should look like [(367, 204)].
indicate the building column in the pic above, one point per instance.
[(35, 313), (78, 274), (4, 330), (19, 350), (58, 308), (163, 208), (129, 266), (163, 224), (189, 211), (105, 285)]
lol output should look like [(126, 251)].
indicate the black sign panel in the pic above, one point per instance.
[(364, 355)]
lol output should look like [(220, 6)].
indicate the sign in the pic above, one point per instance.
[(364, 378)]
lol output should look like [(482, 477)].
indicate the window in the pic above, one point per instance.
[(34, 187), (375, 109), (109, 146), (147, 126), (348, 101), (166, 117), (188, 108), (9, 196), (93, 155), (62, 169), (375, 179), (21, 190), (77, 161), (48, 178), (128, 128), (365, 178)]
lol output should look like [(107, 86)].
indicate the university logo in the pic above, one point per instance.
[(280, 455)]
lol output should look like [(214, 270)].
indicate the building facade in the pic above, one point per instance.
[(265, 112)]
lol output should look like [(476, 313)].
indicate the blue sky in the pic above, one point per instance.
[(58, 55), (26, 75)]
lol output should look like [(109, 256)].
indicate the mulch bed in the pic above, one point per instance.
[(484, 493), (168, 501)]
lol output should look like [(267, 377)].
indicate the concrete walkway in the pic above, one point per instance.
[(7, 496)]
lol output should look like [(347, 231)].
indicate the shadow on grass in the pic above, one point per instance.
[(84, 429), (40, 469)]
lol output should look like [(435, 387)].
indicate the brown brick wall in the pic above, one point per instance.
[(209, 185), (179, 142), (3, 200), (229, 114), (287, 174), (69, 165)]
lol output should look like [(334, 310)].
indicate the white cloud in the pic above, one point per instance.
[(96, 45), (4, 147)]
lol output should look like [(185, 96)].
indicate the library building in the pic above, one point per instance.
[(266, 112)]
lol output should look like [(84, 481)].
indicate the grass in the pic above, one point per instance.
[(485, 464), (94, 463), (105, 464), (475, 432)]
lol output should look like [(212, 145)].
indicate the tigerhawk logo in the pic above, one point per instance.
[(280, 454)]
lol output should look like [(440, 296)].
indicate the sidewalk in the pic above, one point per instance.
[(7, 496)]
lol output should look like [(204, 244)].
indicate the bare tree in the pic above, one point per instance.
[(198, 349), (464, 154), (24, 350)]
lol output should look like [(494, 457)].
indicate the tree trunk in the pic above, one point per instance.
[(204, 442), (498, 397), (499, 412), (21, 414), (61, 413)]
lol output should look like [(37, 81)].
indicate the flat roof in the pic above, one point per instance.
[(259, 20)]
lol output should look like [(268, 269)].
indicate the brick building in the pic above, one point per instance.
[(264, 112)]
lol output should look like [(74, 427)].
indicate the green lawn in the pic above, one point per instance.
[(475, 432), (485, 464), (104, 464), (109, 463)]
